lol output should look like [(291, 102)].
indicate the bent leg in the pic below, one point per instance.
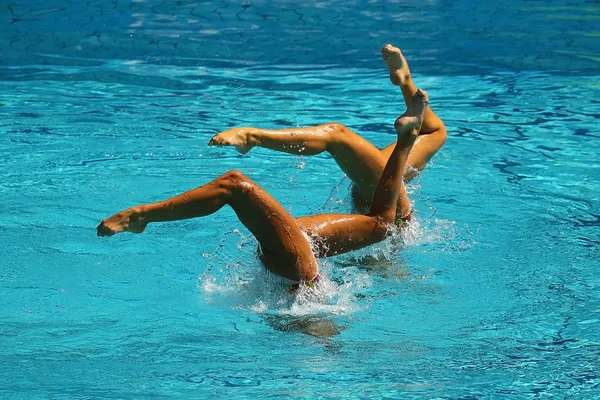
[(361, 161), (285, 248), (340, 233)]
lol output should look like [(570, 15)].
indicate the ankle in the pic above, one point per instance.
[(408, 89), (142, 213), (252, 136)]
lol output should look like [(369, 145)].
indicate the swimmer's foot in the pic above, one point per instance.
[(396, 63), (129, 220), (408, 124), (238, 137)]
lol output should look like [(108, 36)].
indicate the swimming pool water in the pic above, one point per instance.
[(493, 293)]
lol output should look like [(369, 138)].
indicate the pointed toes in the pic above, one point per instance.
[(103, 230)]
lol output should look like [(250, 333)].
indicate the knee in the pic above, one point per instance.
[(337, 135), (232, 179), (335, 130), (334, 126), (442, 134), (382, 227), (399, 123)]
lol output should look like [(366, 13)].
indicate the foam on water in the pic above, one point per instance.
[(247, 285), (239, 281)]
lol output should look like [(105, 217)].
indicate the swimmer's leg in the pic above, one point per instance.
[(286, 250), (362, 162), (340, 233), (433, 132)]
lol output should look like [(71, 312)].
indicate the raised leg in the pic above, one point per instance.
[(340, 233), (361, 161), (285, 249), (432, 134)]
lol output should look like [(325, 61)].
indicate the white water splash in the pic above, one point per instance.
[(235, 278)]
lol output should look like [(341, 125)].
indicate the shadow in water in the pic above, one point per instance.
[(313, 325), (379, 266)]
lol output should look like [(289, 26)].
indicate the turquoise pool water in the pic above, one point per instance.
[(106, 104)]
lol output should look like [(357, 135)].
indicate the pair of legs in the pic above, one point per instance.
[(285, 249), (361, 161)]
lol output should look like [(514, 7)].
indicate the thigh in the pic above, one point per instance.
[(360, 160), (425, 147), (285, 248), (333, 234)]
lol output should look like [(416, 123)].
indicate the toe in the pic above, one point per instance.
[(216, 141), (421, 93)]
